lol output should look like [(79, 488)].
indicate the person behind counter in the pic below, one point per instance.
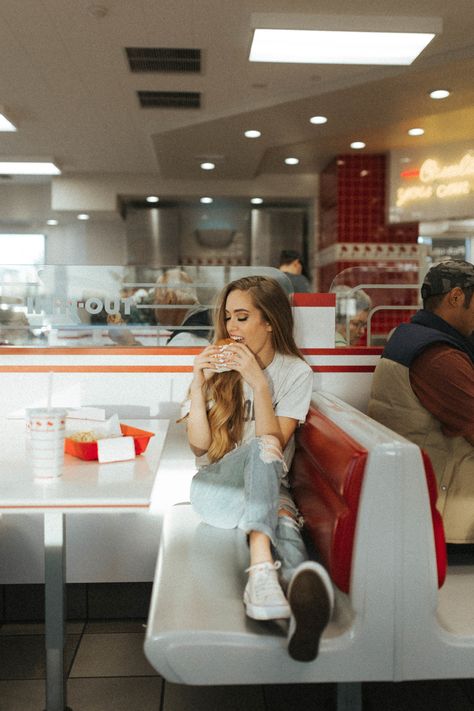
[(240, 425), (175, 289), (423, 388), (352, 307), (180, 312), (292, 266)]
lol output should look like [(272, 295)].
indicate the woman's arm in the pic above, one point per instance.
[(199, 432), (266, 422)]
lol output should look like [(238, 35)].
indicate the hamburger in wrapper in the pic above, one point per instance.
[(225, 354)]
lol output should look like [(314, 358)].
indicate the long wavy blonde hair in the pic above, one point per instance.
[(226, 416)]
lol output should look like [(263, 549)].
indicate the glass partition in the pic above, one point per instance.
[(94, 306), (372, 300)]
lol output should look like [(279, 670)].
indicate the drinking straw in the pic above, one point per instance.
[(50, 389)]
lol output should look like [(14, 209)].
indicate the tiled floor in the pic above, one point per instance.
[(108, 672)]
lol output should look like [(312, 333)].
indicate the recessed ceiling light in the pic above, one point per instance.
[(153, 198), (5, 123), (340, 39), (206, 200), (357, 145), (292, 161), (256, 201), (83, 216), (208, 166), (252, 134), (318, 119), (416, 131), (28, 168), (52, 222), (439, 94)]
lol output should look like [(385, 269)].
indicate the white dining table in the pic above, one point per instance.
[(84, 487)]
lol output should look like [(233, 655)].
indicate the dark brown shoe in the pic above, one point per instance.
[(311, 598)]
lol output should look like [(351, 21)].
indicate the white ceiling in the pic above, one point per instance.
[(65, 79)]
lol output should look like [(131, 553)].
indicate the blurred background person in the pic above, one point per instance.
[(352, 313), (292, 266), (14, 328), (175, 289), (120, 324)]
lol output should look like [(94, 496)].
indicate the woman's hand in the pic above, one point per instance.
[(244, 362), (203, 366), (237, 356)]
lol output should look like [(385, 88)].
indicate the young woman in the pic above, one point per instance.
[(241, 425)]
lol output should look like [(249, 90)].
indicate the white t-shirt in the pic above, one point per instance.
[(291, 382)]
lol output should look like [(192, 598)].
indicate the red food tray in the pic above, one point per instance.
[(88, 450)]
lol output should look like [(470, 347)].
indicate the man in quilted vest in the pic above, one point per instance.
[(423, 388)]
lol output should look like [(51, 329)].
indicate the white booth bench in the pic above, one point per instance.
[(350, 479)]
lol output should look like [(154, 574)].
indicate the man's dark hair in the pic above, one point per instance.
[(289, 255), (432, 303)]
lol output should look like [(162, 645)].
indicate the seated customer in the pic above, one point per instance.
[(423, 388), (292, 266), (175, 289), (246, 399), (352, 307)]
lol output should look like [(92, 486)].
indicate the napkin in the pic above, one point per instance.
[(116, 449)]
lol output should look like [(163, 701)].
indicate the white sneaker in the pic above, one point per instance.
[(311, 598), (263, 596)]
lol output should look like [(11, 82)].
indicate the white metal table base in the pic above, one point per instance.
[(55, 599)]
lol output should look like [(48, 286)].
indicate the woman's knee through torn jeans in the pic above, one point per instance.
[(243, 490)]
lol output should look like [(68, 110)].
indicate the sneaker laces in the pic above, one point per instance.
[(266, 565), (265, 585)]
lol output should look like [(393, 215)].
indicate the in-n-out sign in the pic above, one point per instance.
[(440, 181), (94, 305)]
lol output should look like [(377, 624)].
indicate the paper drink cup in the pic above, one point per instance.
[(46, 432)]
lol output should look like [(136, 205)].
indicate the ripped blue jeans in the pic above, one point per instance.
[(243, 490)]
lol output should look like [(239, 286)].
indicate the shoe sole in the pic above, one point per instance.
[(264, 613), (311, 610)]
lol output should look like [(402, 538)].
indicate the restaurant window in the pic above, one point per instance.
[(94, 306)]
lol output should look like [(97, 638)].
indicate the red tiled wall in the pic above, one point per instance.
[(328, 212), (361, 198), (402, 233), (353, 210), (330, 271), (352, 203)]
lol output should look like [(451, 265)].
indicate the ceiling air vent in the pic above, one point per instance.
[(169, 99), (163, 59)]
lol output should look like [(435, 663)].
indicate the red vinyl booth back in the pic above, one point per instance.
[(438, 528), (326, 477)]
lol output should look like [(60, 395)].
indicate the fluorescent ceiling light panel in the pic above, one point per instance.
[(28, 168), (341, 39)]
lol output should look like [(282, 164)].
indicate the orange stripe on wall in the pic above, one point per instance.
[(96, 368), (345, 351), (147, 351), (343, 368), (157, 368), (76, 506)]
